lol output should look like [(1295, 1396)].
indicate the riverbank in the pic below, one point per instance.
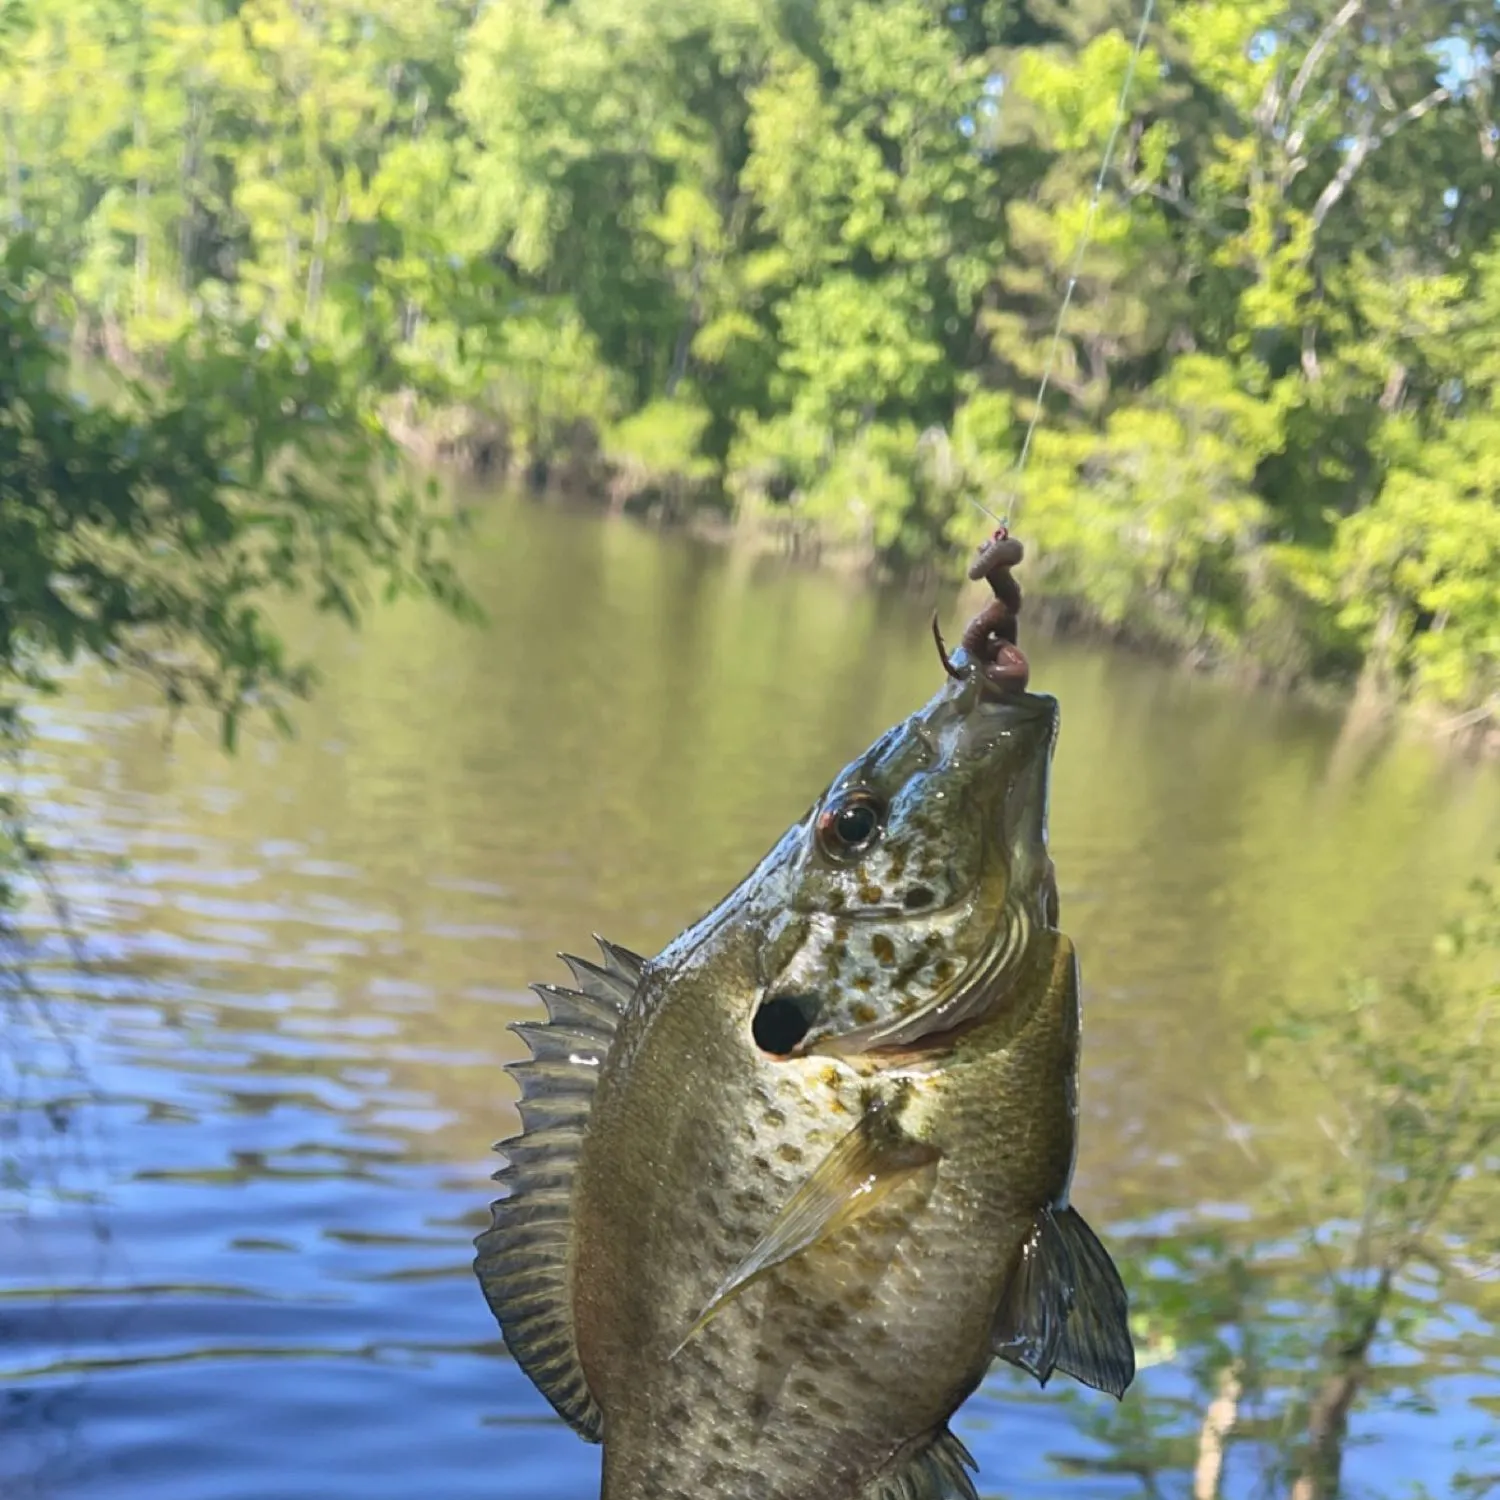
[(1278, 644), (749, 268), (477, 450)]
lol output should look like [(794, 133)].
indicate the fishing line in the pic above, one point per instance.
[(990, 641), (1121, 105)]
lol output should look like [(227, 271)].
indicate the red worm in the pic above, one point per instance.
[(990, 639)]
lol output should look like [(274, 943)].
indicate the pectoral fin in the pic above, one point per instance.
[(873, 1159), (1065, 1308)]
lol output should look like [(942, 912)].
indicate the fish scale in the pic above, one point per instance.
[(769, 1262)]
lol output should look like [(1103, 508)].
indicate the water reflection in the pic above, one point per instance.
[(289, 1035)]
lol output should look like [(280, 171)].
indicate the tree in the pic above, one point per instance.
[(156, 533), (1287, 1323), (763, 258)]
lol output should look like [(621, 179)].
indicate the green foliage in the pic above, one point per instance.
[(156, 532), (1402, 1076), (660, 448), (1426, 554), (787, 256), (1327, 1296), (1170, 541)]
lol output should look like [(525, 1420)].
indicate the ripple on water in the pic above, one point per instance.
[(249, 1142)]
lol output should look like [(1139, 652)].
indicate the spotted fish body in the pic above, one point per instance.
[(766, 1259)]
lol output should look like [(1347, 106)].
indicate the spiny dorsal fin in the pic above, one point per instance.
[(621, 962), (615, 981), (522, 1263), (936, 1473), (1065, 1308)]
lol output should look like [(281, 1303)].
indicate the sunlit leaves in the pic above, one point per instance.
[(153, 533), (659, 449), (1073, 97), (846, 228), (1168, 538), (865, 152), (853, 346), (1427, 554)]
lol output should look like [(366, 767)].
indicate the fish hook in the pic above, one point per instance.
[(942, 650)]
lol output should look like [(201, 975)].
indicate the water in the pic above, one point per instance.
[(250, 1147)]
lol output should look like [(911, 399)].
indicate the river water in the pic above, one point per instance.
[(248, 1147)]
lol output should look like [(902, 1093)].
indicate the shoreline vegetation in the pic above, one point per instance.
[(794, 271)]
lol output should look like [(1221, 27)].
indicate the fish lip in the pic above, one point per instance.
[(977, 693), (1025, 705), (993, 713)]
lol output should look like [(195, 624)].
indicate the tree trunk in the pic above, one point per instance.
[(142, 210), (1327, 1427), (314, 293), (1213, 1436), (687, 332), (1374, 691), (1328, 1416), (1395, 388), (187, 225), (12, 172), (680, 356)]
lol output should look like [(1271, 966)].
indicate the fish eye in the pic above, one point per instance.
[(849, 826)]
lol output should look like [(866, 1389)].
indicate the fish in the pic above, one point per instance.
[(786, 1189)]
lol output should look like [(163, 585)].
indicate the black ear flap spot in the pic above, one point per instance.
[(783, 1021)]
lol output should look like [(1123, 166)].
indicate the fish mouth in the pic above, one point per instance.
[(1024, 716)]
